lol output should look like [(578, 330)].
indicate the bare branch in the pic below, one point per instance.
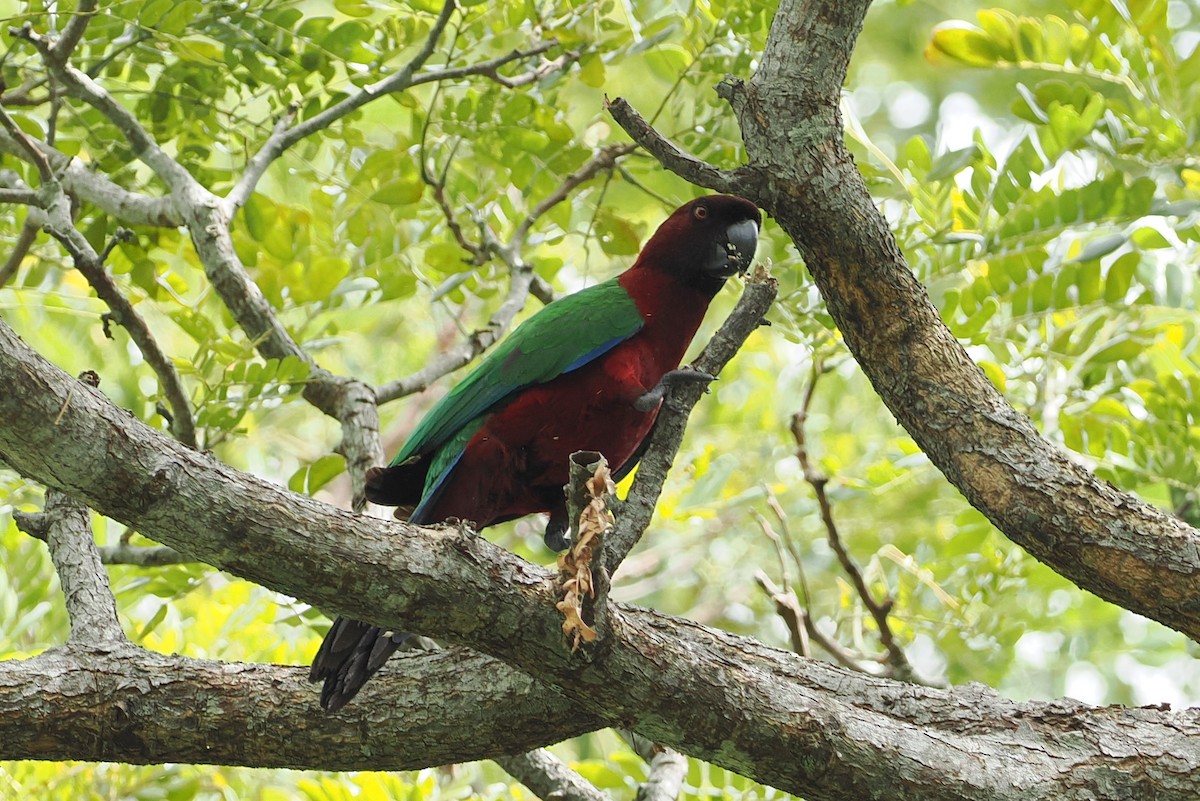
[(24, 197), (896, 658), (489, 68), (285, 134), (668, 430), (127, 207), (604, 159), (25, 142), (668, 769), (257, 166), (68, 534), (62, 49), (82, 86), (548, 777), (672, 157), (20, 250)]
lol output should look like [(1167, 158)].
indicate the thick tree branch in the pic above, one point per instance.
[(667, 434), (127, 704), (799, 725), (1104, 540)]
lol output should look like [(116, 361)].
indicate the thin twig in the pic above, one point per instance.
[(521, 273), (488, 69), (672, 157), (879, 610), (20, 249), (36, 157)]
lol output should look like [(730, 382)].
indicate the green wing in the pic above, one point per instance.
[(564, 336)]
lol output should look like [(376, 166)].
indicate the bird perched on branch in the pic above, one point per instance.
[(587, 372)]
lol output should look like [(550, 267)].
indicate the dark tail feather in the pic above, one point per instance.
[(349, 655), (398, 485)]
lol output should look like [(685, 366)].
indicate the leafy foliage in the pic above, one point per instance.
[(1058, 236)]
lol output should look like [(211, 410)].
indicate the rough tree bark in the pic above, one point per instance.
[(800, 725), (797, 724)]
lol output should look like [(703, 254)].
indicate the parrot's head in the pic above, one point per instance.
[(706, 240)]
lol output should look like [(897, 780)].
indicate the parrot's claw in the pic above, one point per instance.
[(682, 375), (558, 531)]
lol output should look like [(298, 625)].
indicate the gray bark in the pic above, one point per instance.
[(800, 725)]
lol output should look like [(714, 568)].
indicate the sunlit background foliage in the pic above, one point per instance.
[(1039, 165)]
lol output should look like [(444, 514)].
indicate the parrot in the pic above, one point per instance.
[(588, 371)]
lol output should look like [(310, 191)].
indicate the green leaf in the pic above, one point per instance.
[(1122, 347), (353, 8), (965, 44), (259, 214), (592, 70), (951, 163), (401, 192), (1120, 276), (1102, 246)]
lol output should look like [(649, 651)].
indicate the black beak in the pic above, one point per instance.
[(736, 253)]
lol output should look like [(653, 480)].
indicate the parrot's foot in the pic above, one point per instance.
[(682, 375), (558, 530)]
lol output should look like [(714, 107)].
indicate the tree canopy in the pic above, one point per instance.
[(957, 473)]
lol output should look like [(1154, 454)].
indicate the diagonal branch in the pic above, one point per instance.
[(667, 434), (549, 777), (286, 134), (897, 660), (1104, 540), (89, 599), (679, 683), (672, 157), (62, 49)]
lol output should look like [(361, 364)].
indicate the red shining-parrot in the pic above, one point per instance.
[(587, 372)]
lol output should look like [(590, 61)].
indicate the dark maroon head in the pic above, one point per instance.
[(705, 241)]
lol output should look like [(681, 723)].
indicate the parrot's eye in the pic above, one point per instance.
[(700, 212)]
